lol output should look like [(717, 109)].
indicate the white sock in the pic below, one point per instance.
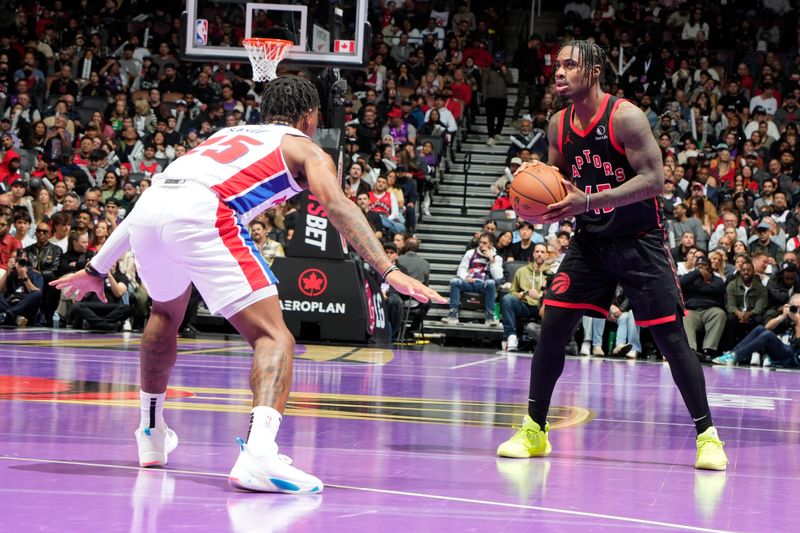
[(264, 424), (152, 410)]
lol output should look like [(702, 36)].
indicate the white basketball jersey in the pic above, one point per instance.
[(243, 166)]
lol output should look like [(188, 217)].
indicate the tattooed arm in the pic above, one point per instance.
[(309, 160), (320, 174), (632, 132)]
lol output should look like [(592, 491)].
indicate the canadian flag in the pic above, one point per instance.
[(344, 47)]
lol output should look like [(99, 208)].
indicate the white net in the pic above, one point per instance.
[(265, 54)]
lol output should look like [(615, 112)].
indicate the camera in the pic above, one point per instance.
[(793, 309), (21, 259)]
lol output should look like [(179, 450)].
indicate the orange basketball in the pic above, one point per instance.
[(533, 189)]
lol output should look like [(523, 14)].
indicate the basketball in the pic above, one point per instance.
[(533, 189)]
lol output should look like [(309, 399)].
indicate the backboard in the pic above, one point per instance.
[(325, 33)]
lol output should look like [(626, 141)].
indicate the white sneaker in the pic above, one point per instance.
[(155, 445), (498, 138), (755, 359), (513, 343), (621, 350), (586, 348), (451, 320), (491, 142), (598, 352), (270, 473), (632, 354), (492, 323), (767, 362)]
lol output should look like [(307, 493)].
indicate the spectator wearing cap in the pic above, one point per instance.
[(508, 176), (494, 89), (398, 129), (781, 285), (704, 298), (759, 118), (763, 243), (410, 115), (766, 100)]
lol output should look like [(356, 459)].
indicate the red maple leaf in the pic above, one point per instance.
[(312, 283)]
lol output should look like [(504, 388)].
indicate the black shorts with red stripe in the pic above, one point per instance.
[(593, 265)]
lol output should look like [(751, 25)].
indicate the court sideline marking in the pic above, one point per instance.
[(479, 362), (570, 512)]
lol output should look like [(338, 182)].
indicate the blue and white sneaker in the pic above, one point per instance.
[(272, 472), (155, 445), (728, 358)]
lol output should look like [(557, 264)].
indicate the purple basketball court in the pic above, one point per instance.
[(403, 439)]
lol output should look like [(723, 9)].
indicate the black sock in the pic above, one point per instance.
[(686, 371), (558, 326), (538, 412)]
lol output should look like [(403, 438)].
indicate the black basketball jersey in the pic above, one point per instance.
[(596, 162)]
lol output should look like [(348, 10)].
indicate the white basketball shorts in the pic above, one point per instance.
[(183, 233)]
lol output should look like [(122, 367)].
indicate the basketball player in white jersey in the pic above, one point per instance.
[(191, 227)]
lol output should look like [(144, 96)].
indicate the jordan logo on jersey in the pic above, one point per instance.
[(568, 140), (587, 158)]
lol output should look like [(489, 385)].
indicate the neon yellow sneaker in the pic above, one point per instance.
[(710, 454), (528, 441)]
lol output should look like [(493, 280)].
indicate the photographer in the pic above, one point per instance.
[(20, 291), (776, 341)]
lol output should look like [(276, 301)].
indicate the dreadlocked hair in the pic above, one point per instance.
[(590, 56), (286, 99)]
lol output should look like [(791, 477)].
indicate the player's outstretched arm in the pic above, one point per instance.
[(632, 132), (346, 217), (82, 282)]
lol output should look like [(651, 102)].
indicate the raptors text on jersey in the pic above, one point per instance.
[(596, 162)]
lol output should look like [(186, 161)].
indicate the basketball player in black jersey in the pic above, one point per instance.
[(605, 148)]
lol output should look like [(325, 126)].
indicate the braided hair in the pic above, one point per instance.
[(286, 99), (590, 56)]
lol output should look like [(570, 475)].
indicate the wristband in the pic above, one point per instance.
[(389, 271), (92, 271), (587, 203)]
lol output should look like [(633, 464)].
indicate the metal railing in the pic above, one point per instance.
[(467, 165)]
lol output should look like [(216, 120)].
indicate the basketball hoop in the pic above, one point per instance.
[(265, 54)]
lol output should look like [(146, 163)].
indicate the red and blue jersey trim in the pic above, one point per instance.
[(257, 184), (238, 242)]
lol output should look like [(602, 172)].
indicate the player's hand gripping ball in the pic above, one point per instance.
[(535, 186)]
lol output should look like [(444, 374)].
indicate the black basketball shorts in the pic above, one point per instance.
[(642, 265)]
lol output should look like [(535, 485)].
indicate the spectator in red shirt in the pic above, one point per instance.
[(8, 244)]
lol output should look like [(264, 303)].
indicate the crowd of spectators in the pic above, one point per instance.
[(722, 101), (94, 101), (92, 104)]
